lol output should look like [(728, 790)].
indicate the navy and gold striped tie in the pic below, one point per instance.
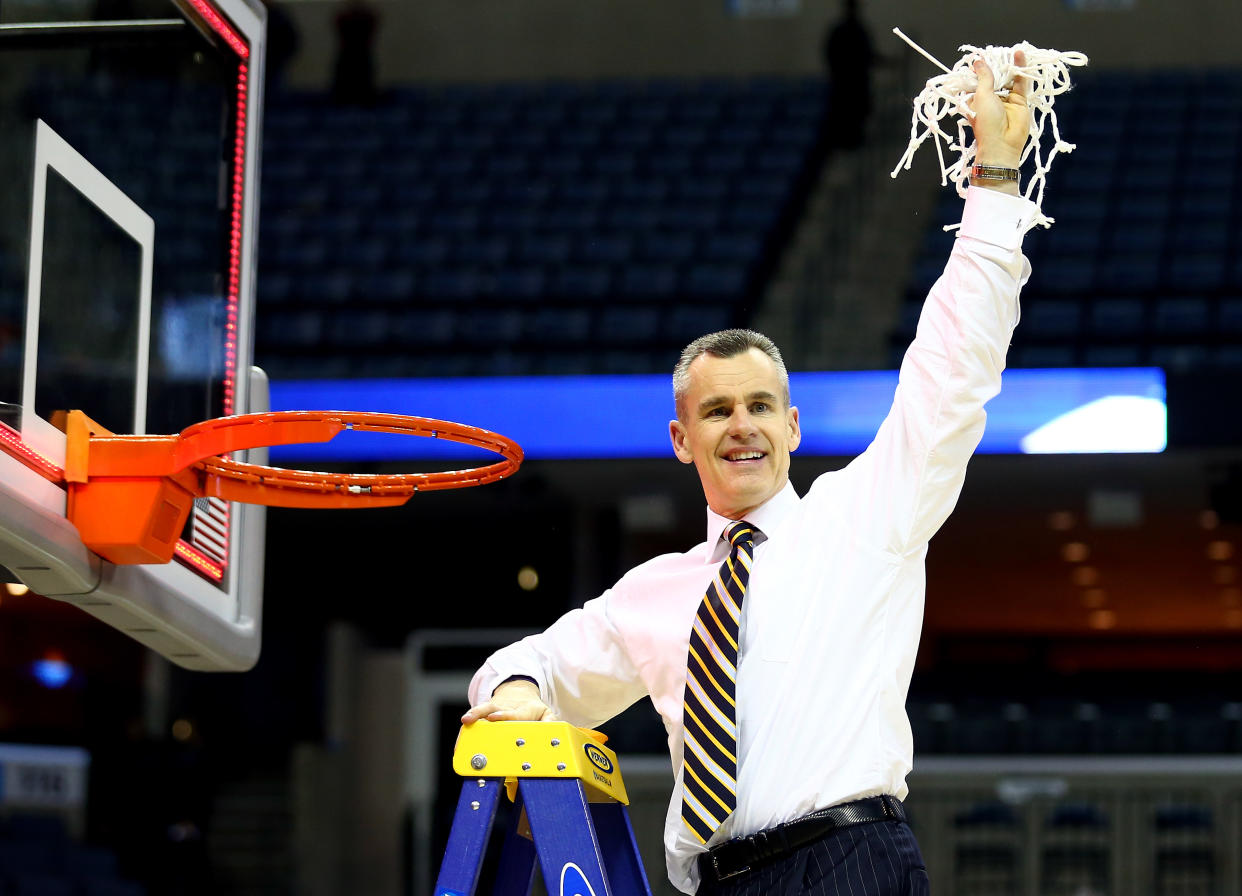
[(709, 776)]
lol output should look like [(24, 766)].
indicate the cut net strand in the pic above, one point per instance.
[(947, 95)]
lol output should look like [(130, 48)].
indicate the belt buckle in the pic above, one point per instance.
[(722, 877)]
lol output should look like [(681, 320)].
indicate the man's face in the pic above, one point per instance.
[(736, 430)]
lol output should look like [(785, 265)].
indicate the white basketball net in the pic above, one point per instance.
[(947, 95)]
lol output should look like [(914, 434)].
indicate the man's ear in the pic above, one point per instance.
[(677, 433), (795, 429)]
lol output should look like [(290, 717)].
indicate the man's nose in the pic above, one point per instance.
[(741, 422)]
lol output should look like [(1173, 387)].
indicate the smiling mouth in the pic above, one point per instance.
[(743, 456)]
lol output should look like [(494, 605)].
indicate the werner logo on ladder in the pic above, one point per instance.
[(570, 812)]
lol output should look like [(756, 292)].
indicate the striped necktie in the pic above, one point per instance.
[(709, 774)]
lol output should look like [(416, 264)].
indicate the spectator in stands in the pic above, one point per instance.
[(848, 57), (781, 675)]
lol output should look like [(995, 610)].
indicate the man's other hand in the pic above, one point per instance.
[(513, 701)]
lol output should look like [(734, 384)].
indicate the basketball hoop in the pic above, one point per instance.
[(129, 496)]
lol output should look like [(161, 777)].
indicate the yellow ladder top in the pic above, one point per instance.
[(513, 750)]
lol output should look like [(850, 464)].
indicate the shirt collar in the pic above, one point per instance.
[(766, 517)]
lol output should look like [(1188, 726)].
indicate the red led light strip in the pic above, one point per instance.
[(185, 551), (235, 237), (221, 26), (11, 442), (199, 562)]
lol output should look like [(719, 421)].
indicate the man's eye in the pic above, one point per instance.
[(760, 407)]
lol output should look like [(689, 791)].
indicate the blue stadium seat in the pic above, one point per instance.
[(582, 282), (389, 286), (1113, 356), (732, 247), (328, 288), (1228, 356), (1179, 357), (1229, 315), (519, 283), (613, 164), (514, 219), (1045, 356), (425, 251), (453, 222), (1138, 236), (451, 283), (1118, 317), (637, 218), (682, 137), (672, 247), (702, 189), (648, 282), (1210, 237), (571, 218), (481, 251), (1130, 272), (987, 815), (580, 190), (273, 289), (358, 329), (370, 253), (756, 214), (1077, 815), (1181, 316), (727, 161), (1197, 270), (290, 329), (1063, 274), (628, 326), (1052, 318), (686, 323), (712, 282), (423, 327), (491, 327), (561, 325), (604, 249), (690, 217), (545, 249), (1182, 817)]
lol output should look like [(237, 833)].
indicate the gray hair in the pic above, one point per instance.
[(725, 344)]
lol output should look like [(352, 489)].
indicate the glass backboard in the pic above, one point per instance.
[(129, 134)]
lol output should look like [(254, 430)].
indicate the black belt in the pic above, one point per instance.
[(747, 853)]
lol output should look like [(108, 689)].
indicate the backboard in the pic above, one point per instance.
[(129, 135)]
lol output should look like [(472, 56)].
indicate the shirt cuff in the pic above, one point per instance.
[(516, 678), (997, 218)]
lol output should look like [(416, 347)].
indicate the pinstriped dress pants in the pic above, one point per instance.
[(880, 858)]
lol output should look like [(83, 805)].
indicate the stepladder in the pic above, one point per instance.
[(569, 818)]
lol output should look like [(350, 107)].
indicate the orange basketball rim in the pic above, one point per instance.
[(129, 496)]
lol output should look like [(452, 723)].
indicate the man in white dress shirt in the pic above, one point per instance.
[(830, 623)]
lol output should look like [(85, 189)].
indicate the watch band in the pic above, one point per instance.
[(991, 172)]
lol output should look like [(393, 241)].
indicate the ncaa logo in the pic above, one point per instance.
[(598, 758), (574, 882)]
